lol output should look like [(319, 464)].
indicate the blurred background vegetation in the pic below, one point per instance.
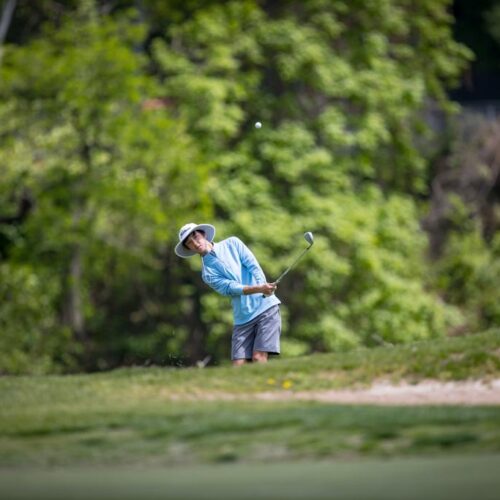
[(122, 120)]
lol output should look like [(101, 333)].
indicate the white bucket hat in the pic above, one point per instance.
[(186, 230)]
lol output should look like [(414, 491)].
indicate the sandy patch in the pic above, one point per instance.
[(427, 392)]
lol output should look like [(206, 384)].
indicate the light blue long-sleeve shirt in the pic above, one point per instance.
[(228, 268)]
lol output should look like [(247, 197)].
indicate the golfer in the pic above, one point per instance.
[(231, 269)]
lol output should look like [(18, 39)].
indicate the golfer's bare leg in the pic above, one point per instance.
[(239, 362), (259, 357)]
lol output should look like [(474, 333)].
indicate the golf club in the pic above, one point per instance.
[(310, 239)]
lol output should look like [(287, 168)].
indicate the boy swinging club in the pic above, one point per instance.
[(231, 269)]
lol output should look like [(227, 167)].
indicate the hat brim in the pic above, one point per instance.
[(184, 252)]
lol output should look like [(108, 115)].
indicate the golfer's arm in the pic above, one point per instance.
[(223, 286), (250, 262), (233, 288), (250, 289)]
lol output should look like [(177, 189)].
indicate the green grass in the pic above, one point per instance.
[(147, 433), (460, 358), (154, 415), (454, 478), (192, 433)]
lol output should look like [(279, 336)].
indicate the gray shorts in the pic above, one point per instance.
[(260, 334)]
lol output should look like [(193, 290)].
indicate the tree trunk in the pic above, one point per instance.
[(73, 310), (195, 347), (75, 294), (8, 10)]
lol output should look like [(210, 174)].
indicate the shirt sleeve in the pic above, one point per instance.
[(222, 285), (250, 262)]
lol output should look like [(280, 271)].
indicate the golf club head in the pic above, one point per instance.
[(309, 238)]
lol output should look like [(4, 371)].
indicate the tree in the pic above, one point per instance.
[(109, 170), (121, 131), (340, 88)]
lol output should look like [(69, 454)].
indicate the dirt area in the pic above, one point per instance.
[(427, 392)]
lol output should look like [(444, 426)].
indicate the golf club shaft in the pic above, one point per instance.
[(286, 271)]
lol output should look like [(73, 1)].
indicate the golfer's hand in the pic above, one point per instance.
[(269, 288)]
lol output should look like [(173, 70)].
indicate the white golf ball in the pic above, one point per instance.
[(258, 125)]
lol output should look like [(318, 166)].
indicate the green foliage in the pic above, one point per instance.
[(122, 135), (356, 74), (31, 340), (469, 273), (464, 220), (111, 174), (492, 18), (363, 282), (341, 114)]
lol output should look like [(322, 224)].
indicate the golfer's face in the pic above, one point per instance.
[(197, 243)]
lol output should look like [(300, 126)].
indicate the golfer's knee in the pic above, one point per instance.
[(259, 357)]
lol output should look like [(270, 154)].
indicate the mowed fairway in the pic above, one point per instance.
[(454, 478), (192, 433)]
